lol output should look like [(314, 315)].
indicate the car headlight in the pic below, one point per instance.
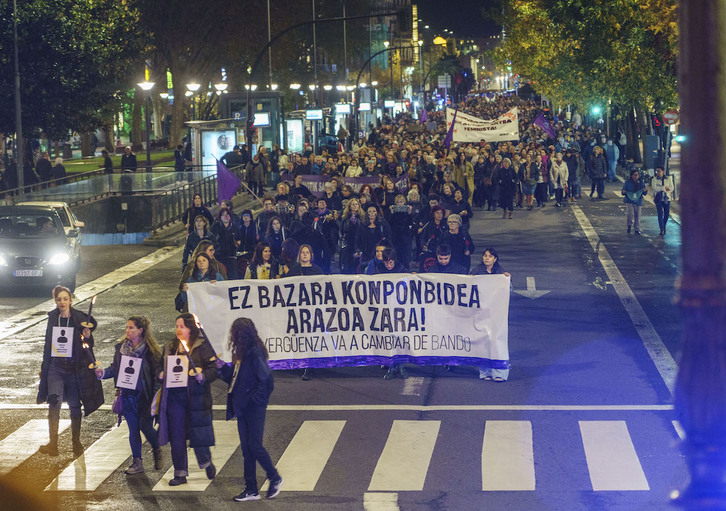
[(60, 258), (3, 262)]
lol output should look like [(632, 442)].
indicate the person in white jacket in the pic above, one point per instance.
[(560, 175), (353, 170), (662, 194)]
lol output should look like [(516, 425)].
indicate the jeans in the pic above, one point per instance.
[(137, 424), (634, 216), (494, 373), (664, 213), (176, 414), (611, 170), (251, 426), (62, 386)]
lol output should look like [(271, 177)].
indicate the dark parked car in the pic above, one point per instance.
[(35, 249)]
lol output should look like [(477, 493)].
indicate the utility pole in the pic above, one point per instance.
[(345, 44), (19, 149), (269, 48), (700, 395), (315, 59)]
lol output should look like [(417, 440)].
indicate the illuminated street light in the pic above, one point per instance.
[(193, 87), (340, 88), (273, 86), (328, 87), (294, 86), (221, 87), (311, 86)]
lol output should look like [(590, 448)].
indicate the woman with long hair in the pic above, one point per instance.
[(350, 221), (186, 412), (305, 264), (263, 265), (275, 235), (225, 241), (250, 385), (200, 233), (140, 346), (490, 266), (65, 374)]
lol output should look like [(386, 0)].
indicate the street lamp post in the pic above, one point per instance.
[(146, 86), (192, 88), (390, 64)]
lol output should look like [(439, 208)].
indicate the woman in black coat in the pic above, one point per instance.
[(225, 242), (505, 180), (351, 220), (250, 385), (138, 344), (66, 373), (373, 230), (196, 209), (186, 412)]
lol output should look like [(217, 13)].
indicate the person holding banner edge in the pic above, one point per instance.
[(186, 403), (250, 384), (139, 343)]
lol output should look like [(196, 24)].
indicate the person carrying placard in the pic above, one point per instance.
[(65, 374), (186, 402), (136, 362)]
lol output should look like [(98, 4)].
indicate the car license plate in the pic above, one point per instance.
[(28, 273)]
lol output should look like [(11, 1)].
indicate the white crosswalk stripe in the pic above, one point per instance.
[(403, 464), (611, 457), (405, 459), (24, 442), (98, 462), (507, 459)]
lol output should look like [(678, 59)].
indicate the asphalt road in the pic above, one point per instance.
[(584, 422)]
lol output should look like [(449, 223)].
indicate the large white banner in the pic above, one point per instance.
[(473, 129), (354, 320)]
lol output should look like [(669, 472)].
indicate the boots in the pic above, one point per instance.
[(136, 467), (504, 213), (51, 448), (76, 435), (158, 460), (510, 214)]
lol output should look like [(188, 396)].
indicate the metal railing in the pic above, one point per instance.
[(169, 206)]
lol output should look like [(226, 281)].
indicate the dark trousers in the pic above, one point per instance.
[(664, 213), (251, 426), (137, 424), (176, 415), (62, 386), (599, 184), (559, 194), (540, 193)]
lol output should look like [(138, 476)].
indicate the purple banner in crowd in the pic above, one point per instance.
[(542, 123)]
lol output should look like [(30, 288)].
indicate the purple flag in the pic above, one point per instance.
[(424, 117), (227, 183), (450, 134), (545, 125)]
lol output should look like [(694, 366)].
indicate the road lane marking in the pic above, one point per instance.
[(35, 315), (412, 386), (411, 408), (662, 358), (405, 459), (380, 502), (303, 461), (507, 456), (226, 442), (24, 442), (97, 462), (531, 292), (611, 458)]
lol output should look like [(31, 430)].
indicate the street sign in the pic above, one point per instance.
[(671, 117), (445, 81)]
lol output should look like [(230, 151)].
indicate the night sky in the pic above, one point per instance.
[(463, 17)]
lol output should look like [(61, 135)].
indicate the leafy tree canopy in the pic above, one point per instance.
[(584, 52), (73, 55)]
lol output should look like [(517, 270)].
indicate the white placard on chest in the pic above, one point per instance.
[(177, 371), (62, 341), (128, 372)]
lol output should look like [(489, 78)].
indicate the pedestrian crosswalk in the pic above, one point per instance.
[(509, 461)]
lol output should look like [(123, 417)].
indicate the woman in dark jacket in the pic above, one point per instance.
[(305, 264), (196, 209), (275, 235), (505, 181), (401, 222), (433, 230), (460, 242), (370, 233), (598, 171), (351, 220), (186, 412), (250, 385), (200, 233), (139, 346), (225, 242), (461, 207), (66, 373)]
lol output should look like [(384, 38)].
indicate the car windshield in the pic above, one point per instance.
[(33, 225)]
